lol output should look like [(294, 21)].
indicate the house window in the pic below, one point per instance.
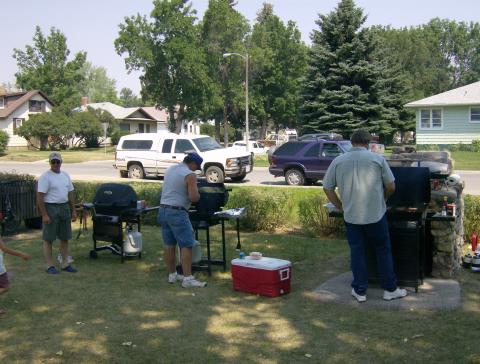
[(431, 119), (147, 128), (141, 128), (2, 102), (475, 114), (36, 106), (125, 126), (17, 122)]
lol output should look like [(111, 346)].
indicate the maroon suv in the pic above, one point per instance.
[(305, 162)]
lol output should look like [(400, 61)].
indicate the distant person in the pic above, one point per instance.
[(57, 205), (4, 283), (179, 190), (364, 181)]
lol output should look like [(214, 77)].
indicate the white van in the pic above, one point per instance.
[(150, 154)]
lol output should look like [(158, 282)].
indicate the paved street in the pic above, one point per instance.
[(103, 170)]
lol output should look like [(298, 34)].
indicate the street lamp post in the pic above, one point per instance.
[(245, 58)]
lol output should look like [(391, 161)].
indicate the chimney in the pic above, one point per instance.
[(84, 101)]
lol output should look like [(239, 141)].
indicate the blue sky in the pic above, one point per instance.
[(92, 25)]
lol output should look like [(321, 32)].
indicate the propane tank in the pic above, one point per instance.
[(476, 263), (474, 241)]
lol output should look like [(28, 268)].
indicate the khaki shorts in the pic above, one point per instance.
[(60, 222)]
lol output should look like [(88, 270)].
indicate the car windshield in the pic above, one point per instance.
[(206, 143), (346, 146)]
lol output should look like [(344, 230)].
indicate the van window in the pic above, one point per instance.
[(182, 145), (167, 146), (289, 148), (137, 144)]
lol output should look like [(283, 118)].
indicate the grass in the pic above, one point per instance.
[(87, 317), (466, 161), (69, 156)]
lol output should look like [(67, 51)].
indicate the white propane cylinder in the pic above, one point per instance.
[(196, 253), (133, 242)]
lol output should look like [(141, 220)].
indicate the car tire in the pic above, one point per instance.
[(238, 178), (214, 174), (135, 171), (294, 177)]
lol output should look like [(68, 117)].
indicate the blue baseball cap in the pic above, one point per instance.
[(193, 157)]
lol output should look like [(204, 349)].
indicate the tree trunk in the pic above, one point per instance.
[(171, 119), (263, 129), (178, 121), (225, 126), (217, 129)]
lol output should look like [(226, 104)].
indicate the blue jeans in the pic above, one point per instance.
[(176, 227), (378, 235)]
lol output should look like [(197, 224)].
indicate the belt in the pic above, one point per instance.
[(55, 203), (173, 207)]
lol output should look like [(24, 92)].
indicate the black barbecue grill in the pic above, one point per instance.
[(114, 210), (213, 196), (406, 212)]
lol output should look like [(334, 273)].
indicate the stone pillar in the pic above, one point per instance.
[(448, 236)]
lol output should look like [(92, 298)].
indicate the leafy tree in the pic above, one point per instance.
[(97, 86), (168, 52), (223, 30), (280, 61), (347, 86), (128, 98), (45, 66), (3, 141), (435, 57), (88, 128), (53, 130)]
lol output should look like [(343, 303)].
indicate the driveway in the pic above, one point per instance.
[(104, 171)]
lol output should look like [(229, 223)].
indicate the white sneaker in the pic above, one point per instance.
[(174, 277), (189, 282), (70, 259), (359, 297), (398, 293)]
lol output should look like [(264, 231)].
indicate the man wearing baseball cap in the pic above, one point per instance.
[(179, 190), (56, 202)]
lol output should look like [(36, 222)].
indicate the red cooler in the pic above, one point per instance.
[(266, 276)]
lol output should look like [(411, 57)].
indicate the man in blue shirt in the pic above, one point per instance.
[(364, 182)]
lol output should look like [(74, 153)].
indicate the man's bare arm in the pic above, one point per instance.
[(192, 188)]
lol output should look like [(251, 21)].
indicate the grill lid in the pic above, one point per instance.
[(114, 199)]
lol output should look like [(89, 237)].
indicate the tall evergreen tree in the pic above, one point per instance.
[(348, 86)]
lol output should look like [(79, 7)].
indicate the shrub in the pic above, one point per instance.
[(427, 147), (476, 145), (265, 211), (3, 141), (8, 177), (315, 220), (116, 135), (471, 222)]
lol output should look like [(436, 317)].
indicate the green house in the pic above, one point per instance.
[(452, 117)]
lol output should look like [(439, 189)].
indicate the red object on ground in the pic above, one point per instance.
[(266, 276), (474, 241)]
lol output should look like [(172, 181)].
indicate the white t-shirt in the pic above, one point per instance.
[(56, 186), (2, 265)]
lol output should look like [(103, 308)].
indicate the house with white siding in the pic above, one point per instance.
[(15, 108), (452, 117)]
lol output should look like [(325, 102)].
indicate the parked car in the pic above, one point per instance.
[(305, 162), (322, 135), (254, 147), (150, 154)]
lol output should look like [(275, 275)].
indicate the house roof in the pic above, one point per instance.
[(121, 113), (24, 97), (465, 95)]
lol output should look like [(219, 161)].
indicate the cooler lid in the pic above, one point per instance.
[(262, 263)]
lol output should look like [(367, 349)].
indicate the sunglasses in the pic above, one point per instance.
[(55, 161)]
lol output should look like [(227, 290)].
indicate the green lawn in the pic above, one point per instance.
[(69, 156), (92, 316), (466, 161)]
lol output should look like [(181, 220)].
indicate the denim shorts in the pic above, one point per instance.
[(60, 222), (176, 227)]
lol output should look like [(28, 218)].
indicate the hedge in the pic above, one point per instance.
[(268, 208)]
